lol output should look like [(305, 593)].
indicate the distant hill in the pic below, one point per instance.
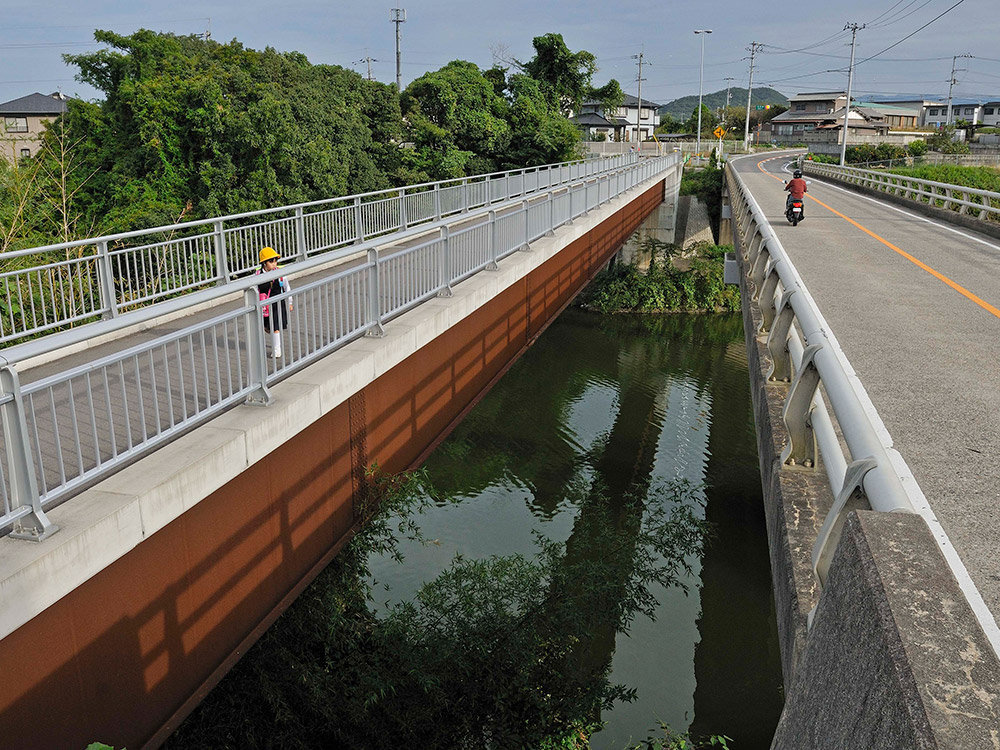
[(682, 108)]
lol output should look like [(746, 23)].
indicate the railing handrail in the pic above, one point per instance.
[(224, 359), (883, 178), (290, 207), (875, 467)]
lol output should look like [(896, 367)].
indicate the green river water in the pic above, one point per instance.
[(626, 401)]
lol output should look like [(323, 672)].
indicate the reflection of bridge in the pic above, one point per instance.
[(887, 619), (170, 523)]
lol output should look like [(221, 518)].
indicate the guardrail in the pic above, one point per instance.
[(983, 204), (66, 431), (806, 357), (49, 288)]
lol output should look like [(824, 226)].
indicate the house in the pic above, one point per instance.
[(627, 123), (896, 116), (805, 113), (24, 120), (923, 107), (991, 113)]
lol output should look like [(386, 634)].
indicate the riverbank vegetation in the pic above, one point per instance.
[(674, 282), (493, 653), (190, 128)]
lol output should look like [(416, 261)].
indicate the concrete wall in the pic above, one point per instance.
[(230, 522)]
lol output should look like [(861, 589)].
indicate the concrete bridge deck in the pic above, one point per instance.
[(914, 304)]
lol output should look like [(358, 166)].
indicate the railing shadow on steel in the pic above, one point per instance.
[(827, 413), (984, 204), (64, 432), (49, 288)]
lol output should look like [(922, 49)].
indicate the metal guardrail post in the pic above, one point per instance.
[(256, 349), (801, 448), (465, 195), (851, 497), (527, 235), (34, 525), (494, 242), (221, 260), (403, 222), (437, 201), (106, 282), (777, 340), (552, 213), (300, 234), (375, 294), (359, 226), (445, 275), (489, 192)]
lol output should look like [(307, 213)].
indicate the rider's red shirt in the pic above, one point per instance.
[(797, 187)]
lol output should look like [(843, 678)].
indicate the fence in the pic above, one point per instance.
[(66, 431), (982, 204), (825, 400), (46, 289)]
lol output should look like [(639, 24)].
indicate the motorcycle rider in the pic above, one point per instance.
[(797, 189)]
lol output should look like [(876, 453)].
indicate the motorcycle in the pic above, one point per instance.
[(794, 211)]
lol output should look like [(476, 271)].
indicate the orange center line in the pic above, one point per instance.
[(920, 264)]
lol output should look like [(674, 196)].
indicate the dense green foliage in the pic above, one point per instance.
[(706, 186), (190, 128), (671, 284), (493, 653), (982, 178)]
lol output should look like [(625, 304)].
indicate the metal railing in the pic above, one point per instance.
[(66, 431), (982, 204), (825, 399), (46, 289)]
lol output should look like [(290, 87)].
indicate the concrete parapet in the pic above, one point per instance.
[(895, 657)]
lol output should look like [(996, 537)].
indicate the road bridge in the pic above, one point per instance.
[(890, 318), (171, 485)]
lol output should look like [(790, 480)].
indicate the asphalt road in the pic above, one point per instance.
[(913, 303)]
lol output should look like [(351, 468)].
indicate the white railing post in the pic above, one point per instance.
[(494, 242), (552, 213), (444, 276), (256, 349), (359, 226), (527, 234), (375, 294), (33, 525), (437, 201), (300, 234), (221, 260), (403, 222), (106, 282), (465, 195)]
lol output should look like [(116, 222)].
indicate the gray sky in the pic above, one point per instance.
[(34, 34)]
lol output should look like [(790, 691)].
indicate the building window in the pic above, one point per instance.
[(932, 112), (800, 107), (988, 110), (25, 152), (969, 110), (16, 124)]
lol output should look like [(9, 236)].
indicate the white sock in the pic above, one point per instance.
[(276, 344)]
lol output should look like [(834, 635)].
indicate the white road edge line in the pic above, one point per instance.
[(979, 608)]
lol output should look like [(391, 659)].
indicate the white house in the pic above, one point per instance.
[(627, 123)]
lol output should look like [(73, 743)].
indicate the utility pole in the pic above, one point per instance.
[(725, 112), (638, 114), (369, 60), (854, 28), (701, 82), (754, 48), (952, 82), (398, 16)]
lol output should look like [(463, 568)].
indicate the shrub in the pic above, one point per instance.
[(917, 148)]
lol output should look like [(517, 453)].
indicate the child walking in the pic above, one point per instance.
[(275, 313)]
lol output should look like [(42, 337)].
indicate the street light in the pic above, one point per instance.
[(701, 82)]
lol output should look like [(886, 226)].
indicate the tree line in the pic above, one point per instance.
[(190, 128)]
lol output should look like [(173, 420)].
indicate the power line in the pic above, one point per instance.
[(896, 44)]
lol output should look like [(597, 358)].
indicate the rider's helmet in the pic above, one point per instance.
[(797, 173)]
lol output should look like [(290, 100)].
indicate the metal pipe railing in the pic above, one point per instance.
[(72, 428), (964, 200), (49, 288), (824, 394)]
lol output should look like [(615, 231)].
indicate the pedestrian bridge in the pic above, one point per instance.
[(169, 486), (872, 335)]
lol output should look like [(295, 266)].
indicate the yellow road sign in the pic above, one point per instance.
[(719, 132)]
